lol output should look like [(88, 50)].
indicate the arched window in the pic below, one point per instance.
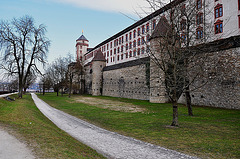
[(218, 11), (199, 18), (218, 27)]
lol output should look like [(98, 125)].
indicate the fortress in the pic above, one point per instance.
[(121, 65)]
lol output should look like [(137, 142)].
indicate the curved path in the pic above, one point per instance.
[(110, 144), (11, 148), (4, 95)]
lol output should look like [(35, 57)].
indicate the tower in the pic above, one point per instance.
[(81, 47), (157, 78), (98, 63)]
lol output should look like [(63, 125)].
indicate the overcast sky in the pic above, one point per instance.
[(65, 19)]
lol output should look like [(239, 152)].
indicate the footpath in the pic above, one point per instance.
[(110, 144), (11, 148)]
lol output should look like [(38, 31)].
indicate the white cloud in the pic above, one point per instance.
[(124, 6)]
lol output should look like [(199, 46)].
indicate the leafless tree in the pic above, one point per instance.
[(174, 47), (24, 46), (58, 72), (31, 78)]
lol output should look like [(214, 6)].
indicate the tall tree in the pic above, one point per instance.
[(175, 41), (24, 46)]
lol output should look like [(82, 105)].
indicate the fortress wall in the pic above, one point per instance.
[(128, 80), (220, 81), (88, 79)]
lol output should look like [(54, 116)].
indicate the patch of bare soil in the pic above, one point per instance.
[(110, 104)]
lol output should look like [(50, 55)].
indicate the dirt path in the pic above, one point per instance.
[(110, 104)]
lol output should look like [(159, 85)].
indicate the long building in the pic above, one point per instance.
[(120, 65)]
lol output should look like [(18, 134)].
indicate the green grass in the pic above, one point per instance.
[(210, 133), (47, 141)]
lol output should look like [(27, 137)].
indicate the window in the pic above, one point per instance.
[(143, 41), (134, 34), (122, 57), (143, 29), (134, 43), (147, 27), (107, 53), (199, 18), (218, 27), (126, 55), (138, 52), (143, 50), (134, 53), (111, 53), (126, 46), (154, 24), (183, 24), (139, 41), (148, 37), (130, 54), (114, 51), (130, 45), (118, 50), (183, 37), (118, 57), (218, 11), (239, 21), (199, 33), (126, 37), (238, 4), (111, 45), (199, 4), (183, 9), (107, 46), (139, 32), (122, 39), (122, 48), (130, 36)]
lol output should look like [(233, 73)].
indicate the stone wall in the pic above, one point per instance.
[(219, 86), (88, 79), (127, 80)]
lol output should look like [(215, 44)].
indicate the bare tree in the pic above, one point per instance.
[(31, 78), (174, 47), (58, 73), (75, 77), (24, 46)]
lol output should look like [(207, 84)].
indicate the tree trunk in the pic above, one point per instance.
[(20, 89), (175, 115), (43, 89), (25, 89), (188, 102)]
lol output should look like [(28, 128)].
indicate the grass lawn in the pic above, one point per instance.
[(210, 133), (24, 120)]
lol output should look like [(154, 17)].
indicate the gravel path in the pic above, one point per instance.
[(11, 148), (4, 95), (110, 144)]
